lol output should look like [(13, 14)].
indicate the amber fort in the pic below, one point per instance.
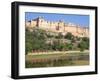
[(57, 27)]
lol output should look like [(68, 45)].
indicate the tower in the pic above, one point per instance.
[(39, 21), (61, 25)]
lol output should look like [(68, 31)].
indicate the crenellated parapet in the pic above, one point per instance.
[(59, 26)]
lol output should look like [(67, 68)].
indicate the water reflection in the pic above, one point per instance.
[(60, 60)]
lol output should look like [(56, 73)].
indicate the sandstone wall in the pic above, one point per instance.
[(58, 27)]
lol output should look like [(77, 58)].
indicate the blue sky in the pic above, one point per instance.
[(82, 20)]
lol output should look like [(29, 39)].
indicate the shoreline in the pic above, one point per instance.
[(57, 52)]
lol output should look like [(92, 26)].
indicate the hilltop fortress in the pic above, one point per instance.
[(58, 27)]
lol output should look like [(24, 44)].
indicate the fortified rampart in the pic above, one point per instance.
[(57, 27)]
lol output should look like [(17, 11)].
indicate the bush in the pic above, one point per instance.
[(69, 36), (82, 45)]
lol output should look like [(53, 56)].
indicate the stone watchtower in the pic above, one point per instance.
[(61, 25), (40, 20)]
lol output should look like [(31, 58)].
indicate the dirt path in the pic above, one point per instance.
[(58, 52)]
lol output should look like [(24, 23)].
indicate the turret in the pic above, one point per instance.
[(39, 21)]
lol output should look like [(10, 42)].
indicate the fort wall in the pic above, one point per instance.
[(59, 26)]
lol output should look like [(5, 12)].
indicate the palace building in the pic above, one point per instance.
[(58, 26)]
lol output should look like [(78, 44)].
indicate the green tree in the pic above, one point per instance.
[(82, 46), (86, 40), (28, 41), (39, 39), (59, 36), (69, 46), (69, 36), (35, 40)]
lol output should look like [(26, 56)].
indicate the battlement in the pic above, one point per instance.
[(58, 26)]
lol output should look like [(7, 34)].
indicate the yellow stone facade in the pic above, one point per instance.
[(57, 27)]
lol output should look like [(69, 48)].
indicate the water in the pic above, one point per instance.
[(73, 59)]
